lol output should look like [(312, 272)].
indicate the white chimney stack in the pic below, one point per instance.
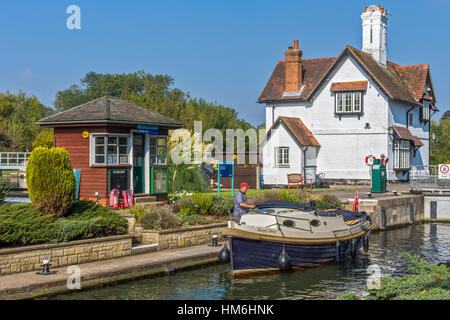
[(374, 33)]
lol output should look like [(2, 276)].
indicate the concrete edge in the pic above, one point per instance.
[(119, 275)]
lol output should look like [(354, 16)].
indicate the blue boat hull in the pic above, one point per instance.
[(249, 255)]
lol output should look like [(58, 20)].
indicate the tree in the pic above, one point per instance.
[(44, 139), (18, 116), (440, 141), (154, 92), (50, 180)]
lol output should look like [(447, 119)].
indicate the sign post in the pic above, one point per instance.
[(444, 171), (225, 169)]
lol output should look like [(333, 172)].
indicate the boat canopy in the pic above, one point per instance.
[(287, 204)]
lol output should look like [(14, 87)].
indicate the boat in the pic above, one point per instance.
[(283, 235)]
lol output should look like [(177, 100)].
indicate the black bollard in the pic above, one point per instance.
[(224, 255), (46, 268), (284, 261)]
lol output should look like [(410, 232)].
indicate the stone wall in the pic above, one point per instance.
[(393, 211), (29, 258), (190, 236)]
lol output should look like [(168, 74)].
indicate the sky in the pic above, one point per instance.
[(222, 51)]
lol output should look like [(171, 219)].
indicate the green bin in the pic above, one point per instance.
[(378, 177)]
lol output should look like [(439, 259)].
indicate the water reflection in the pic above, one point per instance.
[(432, 241)]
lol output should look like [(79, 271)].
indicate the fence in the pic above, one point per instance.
[(426, 177), (14, 160)]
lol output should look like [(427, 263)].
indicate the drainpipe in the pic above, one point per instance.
[(304, 161)]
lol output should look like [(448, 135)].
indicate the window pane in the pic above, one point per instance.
[(123, 150), (123, 159), (100, 159), (339, 102), (99, 140), (112, 150), (99, 150), (348, 102), (161, 155), (357, 101), (123, 141), (161, 142), (112, 140), (159, 179)]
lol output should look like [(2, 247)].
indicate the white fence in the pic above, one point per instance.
[(14, 160), (426, 177)]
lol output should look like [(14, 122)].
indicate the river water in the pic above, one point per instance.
[(431, 241)]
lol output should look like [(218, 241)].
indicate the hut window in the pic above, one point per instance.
[(158, 150), (111, 150)]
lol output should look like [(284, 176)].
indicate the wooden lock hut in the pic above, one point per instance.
[(116, 145)]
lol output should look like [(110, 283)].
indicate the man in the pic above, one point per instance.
[(384, 160), (240, 203)]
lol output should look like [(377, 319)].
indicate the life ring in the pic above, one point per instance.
[(369, 160), (366, 243)]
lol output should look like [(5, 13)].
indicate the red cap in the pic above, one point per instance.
[(244, 184)]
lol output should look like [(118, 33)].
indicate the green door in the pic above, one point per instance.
[(138, 163)]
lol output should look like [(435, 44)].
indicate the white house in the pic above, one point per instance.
[(330, 113)]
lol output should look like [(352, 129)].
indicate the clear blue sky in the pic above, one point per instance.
[(223, 51)]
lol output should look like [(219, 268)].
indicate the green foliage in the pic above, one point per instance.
[(138, 211), (221, 206), (440, 141), (329, 201), (159, 218), (203, 202), (25, 224), (188, 177), (294, 196), (4, 190), (186, 206), (194, 219), (18, 116), (154, 92), (44, 139), (264, 196), (426, 282), (50, 180), (349, 296)]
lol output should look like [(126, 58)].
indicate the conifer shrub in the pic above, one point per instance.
[(4, 190), (50, 180)]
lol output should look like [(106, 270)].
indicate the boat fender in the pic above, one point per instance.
[(366, 243), (353, 246), (224, 254), (338, 251), (312, 204), (284, 261)]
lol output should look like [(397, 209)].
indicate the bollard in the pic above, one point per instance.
[(46, 268), (214, 241)]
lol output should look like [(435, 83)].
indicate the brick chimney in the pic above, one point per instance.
[(293, 68)]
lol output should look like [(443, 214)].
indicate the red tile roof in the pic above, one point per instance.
[(298, 129), (349, 86), (404, 133), (399, 83)]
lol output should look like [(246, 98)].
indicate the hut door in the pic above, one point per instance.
[(138, 163)]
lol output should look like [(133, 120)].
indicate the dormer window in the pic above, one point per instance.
[(424, 112), (348, 102), (348, 96)]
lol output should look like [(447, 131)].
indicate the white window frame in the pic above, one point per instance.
[(155, 151), (92, 153), (341, 99), (402, 154), (426, 111), (284, 156)]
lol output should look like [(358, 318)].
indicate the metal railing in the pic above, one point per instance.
[(426, 177), (14, 160)]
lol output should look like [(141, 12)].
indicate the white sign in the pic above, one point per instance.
[(444, 171)]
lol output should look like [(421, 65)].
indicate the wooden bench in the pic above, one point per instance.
[(296, 179)]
